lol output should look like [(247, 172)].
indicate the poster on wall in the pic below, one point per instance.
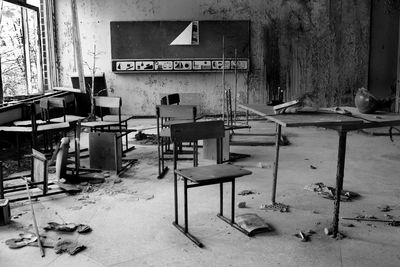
[(180, 46), (195, 65)]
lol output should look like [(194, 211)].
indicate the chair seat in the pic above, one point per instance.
[(116, 118), (212, 174), (28, 123), (68, 118), (94, 124)]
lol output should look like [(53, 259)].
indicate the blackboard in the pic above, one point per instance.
[(150, 40)]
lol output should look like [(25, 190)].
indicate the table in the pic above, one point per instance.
[(342, 123)]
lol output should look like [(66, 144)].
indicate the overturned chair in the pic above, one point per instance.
[(205, 175)]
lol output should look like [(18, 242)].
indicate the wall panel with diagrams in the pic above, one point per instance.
[(162, 46)]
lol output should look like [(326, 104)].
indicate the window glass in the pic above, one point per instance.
[(19, 51)]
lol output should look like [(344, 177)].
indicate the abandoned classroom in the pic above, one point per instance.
[(199, 133)]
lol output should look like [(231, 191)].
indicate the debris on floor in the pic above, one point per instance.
[(83, 228), (69, 246), (372, 218), (275, 207), (67, 227), (252, 223), (64, 227), (21, 241), (246, 192), (347, 224), (304, 237), (329, 192), (329, 232), (385, 208), (242, 205), (313, 167)]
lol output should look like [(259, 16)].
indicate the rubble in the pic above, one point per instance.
[(69, 246), (329, 192)]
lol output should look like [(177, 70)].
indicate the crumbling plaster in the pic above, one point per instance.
[(322, 46)]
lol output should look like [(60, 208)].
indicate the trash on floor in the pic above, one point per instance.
[(63, 227), (304, 237), (69, 246), (242, 205), (385, 208), (252, 223), (246, 192), (21, 241), (329, 192), (373, 219), (275, 207)]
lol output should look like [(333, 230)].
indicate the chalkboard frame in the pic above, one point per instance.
[(144, 46)]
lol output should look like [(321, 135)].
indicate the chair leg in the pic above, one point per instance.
[(126, 136), (231, 221), (184, 229), (221, 199), (162, 170), (233, 202)]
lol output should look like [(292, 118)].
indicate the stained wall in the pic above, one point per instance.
[(298, 45)]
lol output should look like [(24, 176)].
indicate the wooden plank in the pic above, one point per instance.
[(259, 109)]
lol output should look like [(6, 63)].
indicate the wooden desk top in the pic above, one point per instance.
[(327, 118), (214, 173)]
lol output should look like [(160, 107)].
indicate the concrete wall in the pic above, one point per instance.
[(299, 45)]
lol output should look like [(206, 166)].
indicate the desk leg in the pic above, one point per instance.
[(339, 180), (275, 174)]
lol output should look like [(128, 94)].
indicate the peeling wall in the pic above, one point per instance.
[(299, 45)]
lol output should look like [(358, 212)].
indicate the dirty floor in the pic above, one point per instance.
[(132, 217)]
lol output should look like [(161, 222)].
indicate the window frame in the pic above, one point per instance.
[(27, 61)]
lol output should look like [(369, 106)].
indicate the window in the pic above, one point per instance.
[(20, 51)]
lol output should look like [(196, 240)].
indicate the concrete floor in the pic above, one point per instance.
[(131, 220)]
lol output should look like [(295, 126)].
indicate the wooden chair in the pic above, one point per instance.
[(171, 99), (166, 116), (61, 104), (38, 178), (205, 175), (119, 120)]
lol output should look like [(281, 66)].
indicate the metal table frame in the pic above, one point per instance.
[(341, 123)]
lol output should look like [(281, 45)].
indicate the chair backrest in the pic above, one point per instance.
[(44, 109), (171, 99), (176, 112), (108, 101), (112, 102), (191, 132)]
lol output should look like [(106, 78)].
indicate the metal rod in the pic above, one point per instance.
[(175, 187), (236, 83), (339, 180), (275, 173), (1, 178), (221, 199), (185, 196), (233, 202), (34, 220), (223, 77), (369, 220)]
